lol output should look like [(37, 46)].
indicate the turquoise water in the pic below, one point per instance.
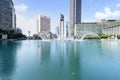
[(59, 60)]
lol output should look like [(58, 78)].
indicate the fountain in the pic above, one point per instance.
[(92, 33), (44, 36), (81, 36)]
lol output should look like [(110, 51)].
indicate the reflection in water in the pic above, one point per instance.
[(44, 49), (39, 49), (113, 46), (59, 60), (62, 60), (74, 62), (7, 59), (69, 60), (62, 53)]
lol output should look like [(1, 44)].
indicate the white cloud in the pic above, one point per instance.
[(107, 14), (21, 7), (118, 5), (26, 24)]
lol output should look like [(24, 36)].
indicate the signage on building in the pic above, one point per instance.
[(4, 36)]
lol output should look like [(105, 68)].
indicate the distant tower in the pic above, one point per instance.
[(67, 30), (57, 31), (74, 15), (29, 33), (62, 27), (43, 24)]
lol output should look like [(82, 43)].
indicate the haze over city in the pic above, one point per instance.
[(27, 12)]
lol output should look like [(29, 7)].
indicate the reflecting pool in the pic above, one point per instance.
[(60, 60)]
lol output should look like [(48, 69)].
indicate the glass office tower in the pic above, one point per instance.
[(74, 15), (7, 15)]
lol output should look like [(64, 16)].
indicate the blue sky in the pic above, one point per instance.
[(92, 10)]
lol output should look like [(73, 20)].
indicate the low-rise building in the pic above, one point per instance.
[(109, 27)]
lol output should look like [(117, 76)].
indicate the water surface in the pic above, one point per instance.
[(59, 60)]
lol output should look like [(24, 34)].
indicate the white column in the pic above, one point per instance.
[(61, 30)]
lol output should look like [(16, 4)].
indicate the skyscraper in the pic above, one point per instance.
[(61, 27), (66, 30), (57, 31), (43, 24), (74, 15), (7, 15)]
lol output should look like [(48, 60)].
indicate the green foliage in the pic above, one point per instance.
[(35, 36), (103, 36), (118, 36), (15, 35), (12, 34), (91, 37)]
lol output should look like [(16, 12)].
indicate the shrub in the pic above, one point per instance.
[(12, 34), (118, 36)]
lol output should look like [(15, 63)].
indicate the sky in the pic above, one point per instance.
[(27, 12)]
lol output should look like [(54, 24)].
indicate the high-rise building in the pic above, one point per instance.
[(43, 24), (74, 15), (57, 31), (7, 15), (66, 29), (62, 35)]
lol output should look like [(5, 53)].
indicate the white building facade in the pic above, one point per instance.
[(43, 24)]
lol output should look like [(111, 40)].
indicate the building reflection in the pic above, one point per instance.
[(62, 53), (74, 62), (44, 49), (7, 59), (70, 60)]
